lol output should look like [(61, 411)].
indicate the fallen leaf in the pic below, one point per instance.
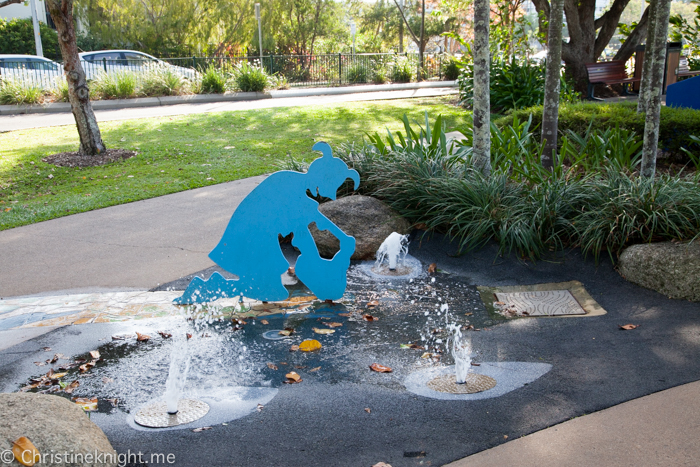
[(114, 402), (260, 407), (373, 303), (53, 360), (438, 331), (323, 331), (300, 367), (118, 338), (468, 314), (286, 332), (95, 354), (426, 355), (380, 368), (432, 268), (142, 337), (284, 363), (368, 410), (412, 346), (310, 345), (333, 325), (86, 403), (165, 335), (106, 380), (344, 314), (69, 389), (370, 318), (25, 452), (46, 349), (189, 336), (291, 271), (293, 377), (56, 376), (475, 364), (628, 327), (314, 369), (294, 348), (239, 321), (40, 363), (384, 464), (264, 321), (200, 429), (272, 366)]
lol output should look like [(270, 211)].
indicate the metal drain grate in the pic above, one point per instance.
[(156, 415), (545, 303), (474, 383)]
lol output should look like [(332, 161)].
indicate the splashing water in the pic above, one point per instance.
[(393, 249), (177, 375), (461, 351)]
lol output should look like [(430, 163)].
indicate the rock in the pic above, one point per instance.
[(55, 426), (672, 269), (367, 219)]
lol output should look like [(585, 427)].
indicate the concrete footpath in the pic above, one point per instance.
[(24, 117), (139, 245)]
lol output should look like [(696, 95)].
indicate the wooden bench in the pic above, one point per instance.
[(613, 72), (683, 69)]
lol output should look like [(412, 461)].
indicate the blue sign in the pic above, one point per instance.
[(250, 245), (684, 93)]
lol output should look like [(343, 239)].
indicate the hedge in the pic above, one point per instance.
[(17, 37)]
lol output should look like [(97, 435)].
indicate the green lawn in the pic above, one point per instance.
[(180, 153)]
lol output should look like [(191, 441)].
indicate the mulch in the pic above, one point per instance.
[(76, 159)]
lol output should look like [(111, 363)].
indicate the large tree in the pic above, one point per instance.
[(78, 93), (588, 35)]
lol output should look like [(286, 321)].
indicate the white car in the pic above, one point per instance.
[(32, 69), (112, 61)]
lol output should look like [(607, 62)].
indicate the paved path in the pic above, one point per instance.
[(19, 122)]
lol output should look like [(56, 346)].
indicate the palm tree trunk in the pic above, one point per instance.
[(552, 80), (653, 104), (482, 97)]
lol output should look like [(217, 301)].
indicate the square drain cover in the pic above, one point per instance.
[(543, 303)]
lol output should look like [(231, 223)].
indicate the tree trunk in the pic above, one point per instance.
[(634, 39), (550, 111), (653, 104), (585, 45), (421, 46), (482, 97), (648, 65), (78, 94)]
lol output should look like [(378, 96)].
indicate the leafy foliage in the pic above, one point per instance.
[(523, 207), (401, 70), (514, 85), (451, 68), (120, 85), (675, 130), (249, 78), (358, 73), (17, 37)]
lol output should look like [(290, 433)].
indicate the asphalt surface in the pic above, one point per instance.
[(322, 421)]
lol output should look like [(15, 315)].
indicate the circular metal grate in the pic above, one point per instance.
[(156, 415), (474, 383)]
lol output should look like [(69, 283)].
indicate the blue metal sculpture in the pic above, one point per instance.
[(250, 245), (684, 93)]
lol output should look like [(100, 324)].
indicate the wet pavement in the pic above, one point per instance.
[(342, 413)]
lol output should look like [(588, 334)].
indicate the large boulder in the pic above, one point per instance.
[(55, 426), (367, 219), (672, 269)]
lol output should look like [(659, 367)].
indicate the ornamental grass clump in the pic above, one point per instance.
[(119, 85), (17, 92), (213, 81), (248, 78), (161, 79)]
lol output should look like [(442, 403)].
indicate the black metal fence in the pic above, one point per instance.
[(296, 70)]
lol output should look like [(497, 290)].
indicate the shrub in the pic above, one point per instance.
[(513, 84), (17, 92), (17, 37), (249, 78), (119, 85), (380, 74), (402, 70), (213, 81), (162, 80), (675, 129), (451, 68), (358, 73)]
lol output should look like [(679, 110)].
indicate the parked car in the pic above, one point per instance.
[(39, 71), (111, 61)]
